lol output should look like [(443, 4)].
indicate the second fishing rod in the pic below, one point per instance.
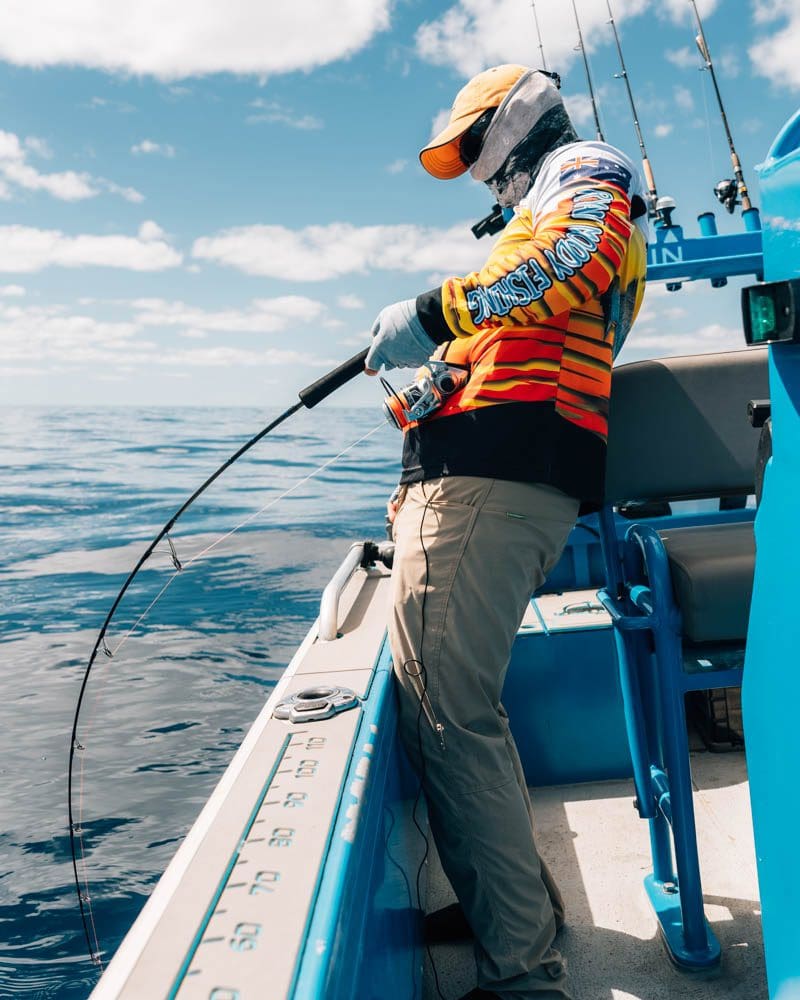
[(652, 193), (729, 192)]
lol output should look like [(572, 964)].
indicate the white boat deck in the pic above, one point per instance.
[(598, 850)]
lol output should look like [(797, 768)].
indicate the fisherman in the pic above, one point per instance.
[(494, 479)]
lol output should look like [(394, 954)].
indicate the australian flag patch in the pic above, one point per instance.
[(599, 169)]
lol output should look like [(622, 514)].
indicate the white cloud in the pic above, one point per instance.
[(440, 119), (128, 193), (472, 35), (190, 39), (24, 249), (150, 230), (775, 56), (66, 185), (350, 302), (713, 337), (765, 11), (683, 98), (727, 62), (11, 291), (318, 253), (663, 129), (579, 108), (106, 104), (39, 146), (274, 112), (680, 12), (149, 148), (685, 58), (396, 166), (47, 336), (262, 315)]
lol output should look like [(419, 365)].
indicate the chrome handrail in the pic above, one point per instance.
[(329, 605), (328, 629)]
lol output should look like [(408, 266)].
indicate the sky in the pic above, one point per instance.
[(208, 203)]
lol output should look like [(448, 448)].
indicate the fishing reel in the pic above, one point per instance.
[(434, 383), (727, 192)]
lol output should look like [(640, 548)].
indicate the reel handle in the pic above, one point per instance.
[(323, 387)]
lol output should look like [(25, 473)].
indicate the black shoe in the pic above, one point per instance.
[(446, 926), (479, 994)]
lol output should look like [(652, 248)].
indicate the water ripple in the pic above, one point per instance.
[(81, 494)]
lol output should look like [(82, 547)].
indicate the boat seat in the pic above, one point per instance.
[(678, 430), (712, 569)]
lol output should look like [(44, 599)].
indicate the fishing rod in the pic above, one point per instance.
[(582, 48), (648, 170), (727, 190), (308, 398), (538, 34)]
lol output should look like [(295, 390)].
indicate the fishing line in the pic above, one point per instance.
[(582, 49), (180, 568), (652, 193), (309, 397), (729, 192), (708, 124)]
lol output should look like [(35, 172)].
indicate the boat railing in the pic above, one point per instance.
[(359, 555)]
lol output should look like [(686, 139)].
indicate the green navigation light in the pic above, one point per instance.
[(762, 316), (770, 312)]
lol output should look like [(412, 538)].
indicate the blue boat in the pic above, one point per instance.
[(308, 872)]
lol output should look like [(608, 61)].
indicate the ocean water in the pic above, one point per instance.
[(81, 494)]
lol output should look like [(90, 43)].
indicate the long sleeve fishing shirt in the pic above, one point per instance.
[(537, 328)]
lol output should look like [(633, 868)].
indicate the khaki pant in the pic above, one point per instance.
[(470, 552)]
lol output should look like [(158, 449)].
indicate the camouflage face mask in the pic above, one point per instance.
[(529, 124)]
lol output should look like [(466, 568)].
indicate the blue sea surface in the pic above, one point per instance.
[(82, 492)]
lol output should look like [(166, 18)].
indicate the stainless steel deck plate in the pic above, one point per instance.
[(315, 703)]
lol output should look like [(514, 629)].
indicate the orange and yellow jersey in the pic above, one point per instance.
[(537, 328)]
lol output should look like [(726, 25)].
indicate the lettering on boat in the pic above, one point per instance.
[(264, 882), (282, 836), (245, 937), (307, 769)]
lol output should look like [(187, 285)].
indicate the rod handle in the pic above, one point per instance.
[(648, 176), (333, 380)]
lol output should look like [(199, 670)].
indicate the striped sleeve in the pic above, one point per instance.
[(565, 259)]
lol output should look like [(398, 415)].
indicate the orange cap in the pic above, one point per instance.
[(486, 90)]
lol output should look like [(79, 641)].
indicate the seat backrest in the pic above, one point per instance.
[(678, 427)]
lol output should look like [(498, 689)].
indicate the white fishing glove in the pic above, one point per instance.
[(399, 339)]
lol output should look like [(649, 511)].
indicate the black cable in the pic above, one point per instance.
[(409, 893), (423, 675)]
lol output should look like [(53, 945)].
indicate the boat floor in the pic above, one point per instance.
[(598, 850)]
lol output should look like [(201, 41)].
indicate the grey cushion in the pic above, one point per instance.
[(712, 576), (678, 427)]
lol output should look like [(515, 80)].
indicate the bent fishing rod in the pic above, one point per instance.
[(726, 191), (308, 398), (623, 75), (582, 49)]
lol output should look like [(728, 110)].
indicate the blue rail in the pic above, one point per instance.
[(675, 258)]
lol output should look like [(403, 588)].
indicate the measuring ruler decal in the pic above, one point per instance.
[(253, 925)]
